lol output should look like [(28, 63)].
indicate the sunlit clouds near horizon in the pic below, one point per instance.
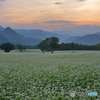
[(49, 13)]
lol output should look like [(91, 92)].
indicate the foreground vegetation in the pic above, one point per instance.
[(36, 76)]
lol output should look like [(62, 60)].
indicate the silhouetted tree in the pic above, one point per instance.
[(7, 47), (49, 44)]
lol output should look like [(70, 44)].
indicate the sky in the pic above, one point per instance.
[(49, 14)]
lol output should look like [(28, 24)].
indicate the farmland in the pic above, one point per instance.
[(32, 75)]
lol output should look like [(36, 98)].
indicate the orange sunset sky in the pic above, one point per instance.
[(49, 13)]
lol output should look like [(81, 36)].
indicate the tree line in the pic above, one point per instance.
[(49, 45), (52, 44), (7, 47)]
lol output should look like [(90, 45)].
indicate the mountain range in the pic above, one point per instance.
[(87, 39), (34, 36), (22, 36)]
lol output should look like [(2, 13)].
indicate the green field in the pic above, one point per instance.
[(32, 75)]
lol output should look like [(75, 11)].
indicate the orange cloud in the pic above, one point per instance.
[(30, 12)]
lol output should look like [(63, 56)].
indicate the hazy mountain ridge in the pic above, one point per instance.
[(10, 35), (36, 33), (34, 36), (88, 39), (23, 36), (85, 30)]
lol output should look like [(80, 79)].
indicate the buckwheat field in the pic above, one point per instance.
[(66, 75)]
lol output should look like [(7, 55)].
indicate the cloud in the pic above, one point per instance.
[(58, 3), (59, 25), (60, 21)]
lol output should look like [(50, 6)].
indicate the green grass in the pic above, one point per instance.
[(32, 75)]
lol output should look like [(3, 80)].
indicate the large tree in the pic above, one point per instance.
[(49, 44), (7, 47)]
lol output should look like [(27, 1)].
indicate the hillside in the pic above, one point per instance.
[(87, 39)]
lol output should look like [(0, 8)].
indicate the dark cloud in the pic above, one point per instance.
[(58, 3), (59, 21)]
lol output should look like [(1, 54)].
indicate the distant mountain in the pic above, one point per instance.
[(87, 39), (38, 35), (9, 35), (1, 28), (2, 39), (25, 37), (84, 30), (34, 36), (12, 36)]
